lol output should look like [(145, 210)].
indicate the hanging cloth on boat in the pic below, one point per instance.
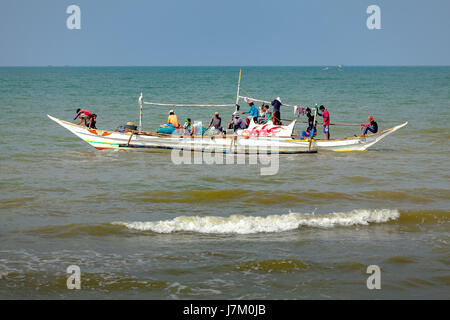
[(299, 110)]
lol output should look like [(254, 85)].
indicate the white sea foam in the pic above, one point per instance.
[(239, 224)]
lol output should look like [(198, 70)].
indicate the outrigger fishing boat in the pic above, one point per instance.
[(257, 138), (274, 142)]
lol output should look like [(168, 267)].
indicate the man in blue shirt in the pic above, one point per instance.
[(253, 111)]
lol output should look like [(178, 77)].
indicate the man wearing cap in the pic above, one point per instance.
[(216, 122), (238, 123), (172, 120), (276, 118), (253, 111), (371, 126)]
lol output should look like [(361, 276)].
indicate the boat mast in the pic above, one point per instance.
[(315, 117), (141, 101), (239, 86)]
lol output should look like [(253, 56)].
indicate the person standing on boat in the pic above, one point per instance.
[(371, 126), (276, 118), (216, 122), (326, 121), (172, 120), (253, 111), (84, 115)]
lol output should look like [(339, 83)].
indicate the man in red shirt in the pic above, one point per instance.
[(84, 115), (326, 121)]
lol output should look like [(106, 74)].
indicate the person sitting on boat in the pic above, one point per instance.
[(326, 121), (231, 124), (311, 131), (238, 123), (276, 117), (253, 111), (216, 122), (91, 122), (371, 126), (127, 127), (83, 114), (172, 120), (187, 128), (265, 114)]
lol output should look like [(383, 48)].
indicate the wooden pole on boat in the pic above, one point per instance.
[(238, 88), (331, 124), (233, 141), (234, 138), (313, 128), (141, 101)]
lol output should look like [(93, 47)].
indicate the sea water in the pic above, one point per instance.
[(139, 226)]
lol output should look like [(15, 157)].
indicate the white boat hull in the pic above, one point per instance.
[(102, 139), (354, 143)]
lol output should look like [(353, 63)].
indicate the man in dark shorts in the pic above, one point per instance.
[(276, 118), (91, 122), (371, 126)]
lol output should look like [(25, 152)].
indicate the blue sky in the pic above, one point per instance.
[(210, 32)]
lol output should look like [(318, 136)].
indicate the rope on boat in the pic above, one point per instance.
[(287, 105), (232, 105), (265, 101), (188, 105), (331, 124)]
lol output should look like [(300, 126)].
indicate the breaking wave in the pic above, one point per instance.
[(239, 224)]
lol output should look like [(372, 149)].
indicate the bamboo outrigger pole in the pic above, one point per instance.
[(313, 128)]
